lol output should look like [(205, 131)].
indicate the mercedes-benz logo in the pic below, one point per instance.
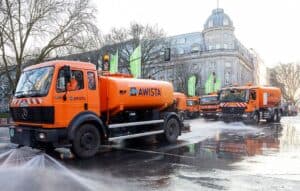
[(24, 113)]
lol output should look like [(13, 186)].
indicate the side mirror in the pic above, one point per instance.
[(67, 74)]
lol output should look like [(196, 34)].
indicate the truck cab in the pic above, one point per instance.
[(192, 107)]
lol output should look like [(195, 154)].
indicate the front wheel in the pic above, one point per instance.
[(255, 118), (86, 142)]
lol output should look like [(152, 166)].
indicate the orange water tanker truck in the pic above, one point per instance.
[(68, 104), (192, 106), (251, 103)]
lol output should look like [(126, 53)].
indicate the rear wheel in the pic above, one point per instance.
[(86, 142), (277, 116), (273, 118), (172, 131)]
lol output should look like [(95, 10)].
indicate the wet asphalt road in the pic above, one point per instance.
[(213, 156)]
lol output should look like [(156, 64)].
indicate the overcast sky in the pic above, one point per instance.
[(271, 27)]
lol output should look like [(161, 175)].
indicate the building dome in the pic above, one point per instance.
[(218, 19)]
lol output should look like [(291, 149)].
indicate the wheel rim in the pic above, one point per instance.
[(171, 129), (88, 141)]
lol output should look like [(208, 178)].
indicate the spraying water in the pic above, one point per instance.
[(29, 169)]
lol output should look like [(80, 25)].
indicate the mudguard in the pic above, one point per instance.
[(86, 117)]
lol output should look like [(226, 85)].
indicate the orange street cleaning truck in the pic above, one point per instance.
[(209, 106), (251, 103), (67, 104), (192, 107)]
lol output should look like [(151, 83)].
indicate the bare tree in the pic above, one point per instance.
[(151, 39), (33, 30), (182, 72), (287, 78)]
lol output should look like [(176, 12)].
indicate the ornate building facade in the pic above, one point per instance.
[(214, 50)]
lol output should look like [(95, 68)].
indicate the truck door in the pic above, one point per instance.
[(253, 98), (70, 102), (93, 102)]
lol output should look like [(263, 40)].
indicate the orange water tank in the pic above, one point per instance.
[(269, 96), (119, 93)]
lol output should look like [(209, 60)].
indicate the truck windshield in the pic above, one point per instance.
[(34, 83), (233, 95), (191, 102), (209, 100)]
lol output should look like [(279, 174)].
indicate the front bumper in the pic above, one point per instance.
[(210, 114), (236, 117), (37, 137)]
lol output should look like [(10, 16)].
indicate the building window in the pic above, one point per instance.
[(227, 64), (212, 66), (181, 41), (227, 77), (195, 49), (210, 23), (225, 21), (225, 46), (180, 51), (218, 46)]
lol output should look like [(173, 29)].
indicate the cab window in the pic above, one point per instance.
[(76, 81), (252, 95), (91, 80)]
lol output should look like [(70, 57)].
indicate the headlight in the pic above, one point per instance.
[(42, 135), (11, 132)]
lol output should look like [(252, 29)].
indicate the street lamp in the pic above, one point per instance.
[(105, 59)]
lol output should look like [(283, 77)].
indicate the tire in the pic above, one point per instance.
[(86, 142), (172, 131), (256, 118), (270, 120), (277, 117)]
